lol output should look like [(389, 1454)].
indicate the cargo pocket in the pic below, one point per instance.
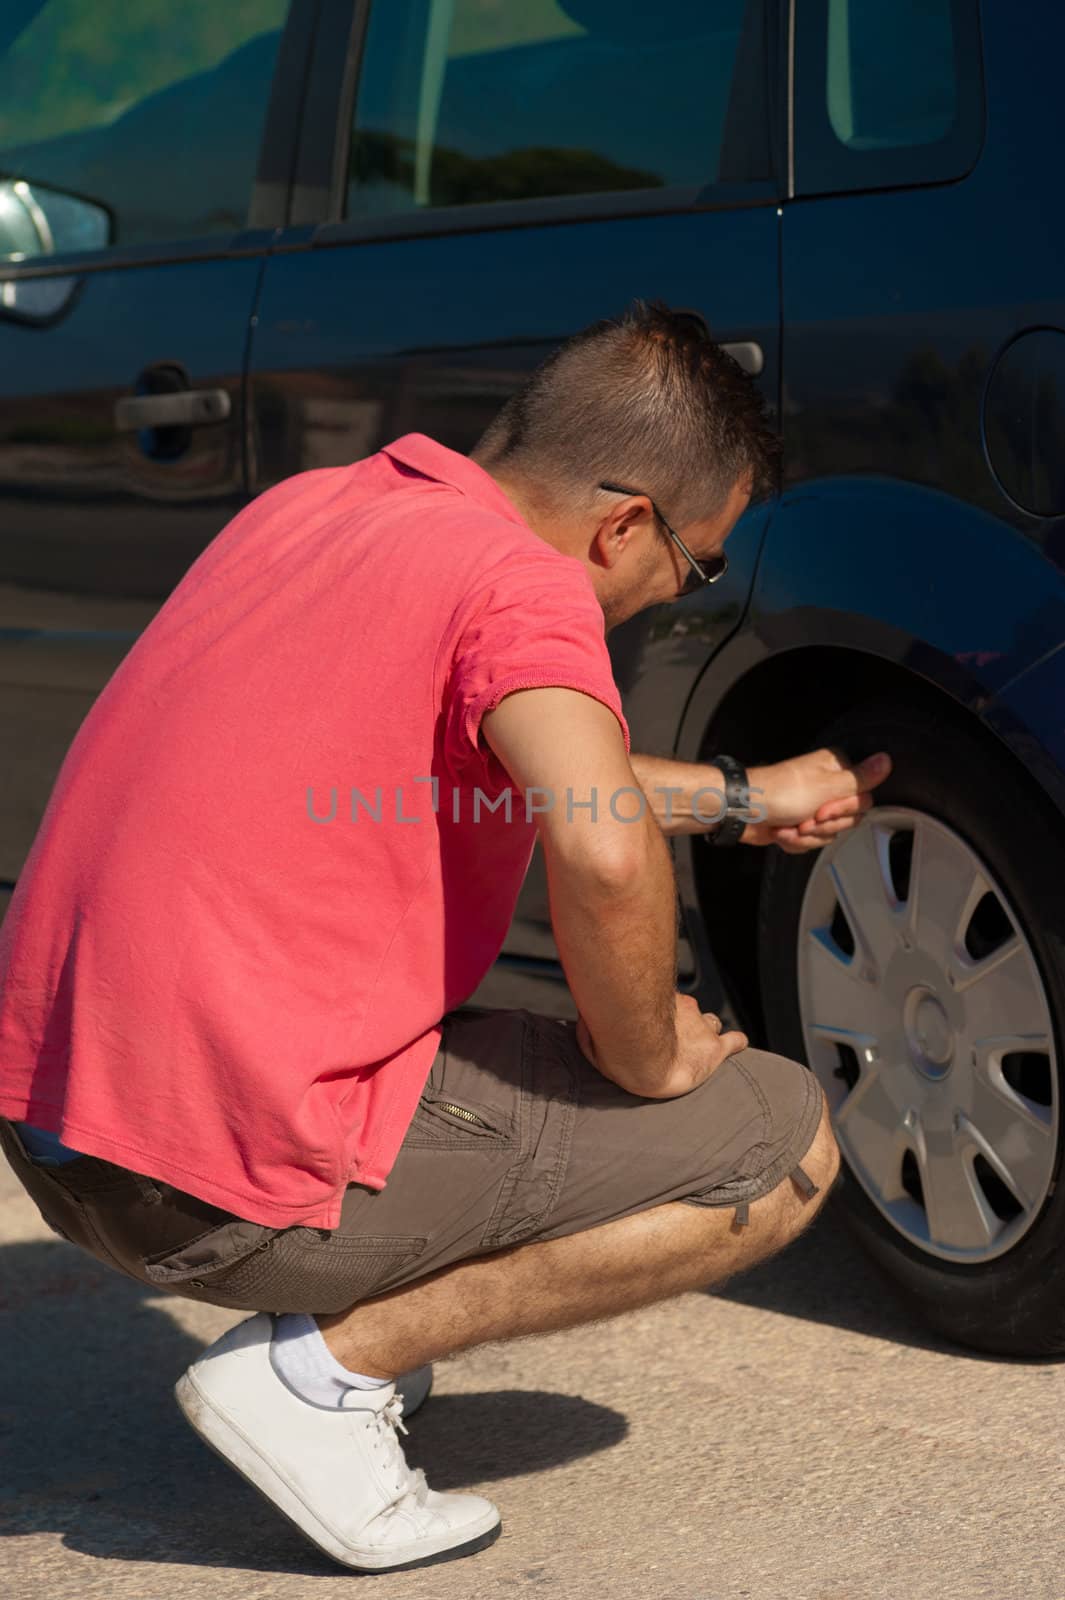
[(322, 1273), (471, 1094), (446, 1122), (206, 1261), (546, 1116)]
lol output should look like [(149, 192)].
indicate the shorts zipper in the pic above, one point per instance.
[(463, 1114)]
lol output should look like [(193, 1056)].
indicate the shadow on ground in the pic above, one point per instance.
[(825, 1277), (93, 1446)]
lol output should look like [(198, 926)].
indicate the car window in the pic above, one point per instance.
[(462, 102), (130, 123), (890, 73), (888, 92)]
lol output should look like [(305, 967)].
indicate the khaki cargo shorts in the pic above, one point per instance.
[(516, 1138)]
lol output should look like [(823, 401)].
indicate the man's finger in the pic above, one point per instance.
[(827, 830), (873, 770), (842, 808), (800, 847), (856, 777), (810, 836), (812, 825)]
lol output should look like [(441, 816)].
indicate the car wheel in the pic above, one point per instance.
[(917, 964)]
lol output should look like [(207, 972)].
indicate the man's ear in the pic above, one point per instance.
[(616, 530), (604, 547)]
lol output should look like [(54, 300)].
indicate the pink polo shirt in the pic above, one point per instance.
[(259, 881)]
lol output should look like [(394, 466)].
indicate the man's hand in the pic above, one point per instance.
[(812, 798), (701, 1048)]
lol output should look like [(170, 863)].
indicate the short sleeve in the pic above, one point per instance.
[(528, 628)]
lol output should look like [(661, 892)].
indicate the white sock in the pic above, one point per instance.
[(302, 1359)]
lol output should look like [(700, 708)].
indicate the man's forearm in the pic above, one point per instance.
[(616, 933), (685, 796)]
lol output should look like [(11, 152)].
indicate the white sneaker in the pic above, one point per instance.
[(340, 1476)]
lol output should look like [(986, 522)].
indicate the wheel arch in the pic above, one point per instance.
[(764, 707)]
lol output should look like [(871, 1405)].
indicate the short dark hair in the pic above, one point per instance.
[(648, 398)]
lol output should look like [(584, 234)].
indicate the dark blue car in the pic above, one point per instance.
[(238, 242)]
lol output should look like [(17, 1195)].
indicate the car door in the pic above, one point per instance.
[(130, 138), (478, 179)]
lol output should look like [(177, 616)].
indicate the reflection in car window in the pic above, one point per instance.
[(465, 101), (890, 78), (148, 113), (888, 93)]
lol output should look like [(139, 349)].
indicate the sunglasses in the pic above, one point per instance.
[(709, 570)]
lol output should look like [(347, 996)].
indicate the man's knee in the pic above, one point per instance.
[(821, 1166), (793, 1102), (788, 1209), (823, 1154)]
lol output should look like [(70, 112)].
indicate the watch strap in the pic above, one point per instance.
[(737, 799)]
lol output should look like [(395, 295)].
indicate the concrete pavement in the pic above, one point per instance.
[(795, 1437)]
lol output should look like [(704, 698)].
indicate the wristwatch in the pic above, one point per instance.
[(737, 800)]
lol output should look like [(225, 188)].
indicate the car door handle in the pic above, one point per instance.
[(748, 353), (188, 408)]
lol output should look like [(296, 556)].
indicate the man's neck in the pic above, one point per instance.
[(557, 531), (533, 508)]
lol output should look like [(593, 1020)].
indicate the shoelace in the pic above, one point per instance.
[(417, 1486), (393, 1411), (418, 1491), (407, 1482)]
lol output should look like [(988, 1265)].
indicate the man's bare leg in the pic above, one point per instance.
[(584, 1277)]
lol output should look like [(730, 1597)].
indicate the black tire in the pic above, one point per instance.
[(953, 770)]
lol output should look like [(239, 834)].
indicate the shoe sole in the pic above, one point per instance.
[(237, 1451)]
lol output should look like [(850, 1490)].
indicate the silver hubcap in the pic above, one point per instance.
[(927, 1023)]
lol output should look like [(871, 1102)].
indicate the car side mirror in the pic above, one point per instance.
[(38, 221)]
